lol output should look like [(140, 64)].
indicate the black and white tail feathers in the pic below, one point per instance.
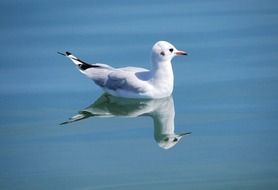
[(79, 63)]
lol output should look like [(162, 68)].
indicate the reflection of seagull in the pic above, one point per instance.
[(135, 82), (162, 112)]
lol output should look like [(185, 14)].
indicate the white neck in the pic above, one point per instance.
[(162, 78)]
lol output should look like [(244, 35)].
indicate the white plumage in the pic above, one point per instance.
[(135, 82)]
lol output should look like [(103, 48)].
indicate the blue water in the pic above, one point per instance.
[(226, 95)]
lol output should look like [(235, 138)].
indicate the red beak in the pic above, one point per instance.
[(181, 53)]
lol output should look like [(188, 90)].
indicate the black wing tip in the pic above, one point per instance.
[(85, 66), (64, 54), (64, 123), (61, 53)]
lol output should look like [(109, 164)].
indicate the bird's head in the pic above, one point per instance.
[(163, 51)]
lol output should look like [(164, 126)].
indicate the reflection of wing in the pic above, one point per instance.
[(81, 115), (110, 106)]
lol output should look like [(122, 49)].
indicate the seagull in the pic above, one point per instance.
[(135, 82)]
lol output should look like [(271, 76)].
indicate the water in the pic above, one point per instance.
[(225, 94)]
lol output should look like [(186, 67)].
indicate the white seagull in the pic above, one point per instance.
[(135, 82)]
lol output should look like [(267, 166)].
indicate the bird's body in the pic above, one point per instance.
[(135, 82)]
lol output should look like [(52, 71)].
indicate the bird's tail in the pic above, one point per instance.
[(79, 63)]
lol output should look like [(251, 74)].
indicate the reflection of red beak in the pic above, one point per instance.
[(181, 53)]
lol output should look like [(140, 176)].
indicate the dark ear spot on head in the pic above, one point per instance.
[(162, 53)]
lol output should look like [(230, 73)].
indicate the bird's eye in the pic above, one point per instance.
[(171, 50), (162, 53), (175, 140), (166, 139)]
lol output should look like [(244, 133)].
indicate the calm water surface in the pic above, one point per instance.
[(226, 95)]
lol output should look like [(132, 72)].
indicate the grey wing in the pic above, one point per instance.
[(99, 74), (121, 80)]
